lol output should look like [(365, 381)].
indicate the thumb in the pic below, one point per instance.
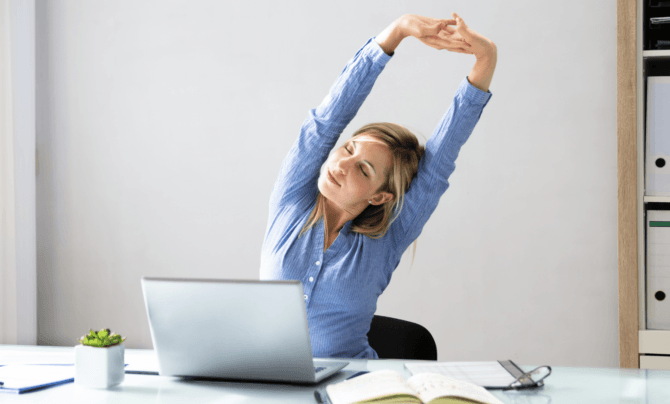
[(461, 28)]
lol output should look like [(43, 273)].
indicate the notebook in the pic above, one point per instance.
[(232, 329), (18, 379)]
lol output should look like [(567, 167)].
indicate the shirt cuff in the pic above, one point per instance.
[(472, 93), (376, 52)]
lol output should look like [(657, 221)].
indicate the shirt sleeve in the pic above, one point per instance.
[(297, 181), (438, 163)]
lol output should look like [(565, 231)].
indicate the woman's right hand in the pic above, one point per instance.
[(480, 46)]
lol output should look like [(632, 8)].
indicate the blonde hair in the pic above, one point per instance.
[(406, 152)]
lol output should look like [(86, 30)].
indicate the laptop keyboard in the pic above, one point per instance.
[(318, 369)]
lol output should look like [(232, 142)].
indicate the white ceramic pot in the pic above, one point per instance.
[(99, 367)]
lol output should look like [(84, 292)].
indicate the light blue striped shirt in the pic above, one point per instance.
[(342, 284)]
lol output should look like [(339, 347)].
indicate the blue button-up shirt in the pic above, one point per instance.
[(341, 285)]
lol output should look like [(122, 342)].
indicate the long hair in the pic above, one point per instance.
[(406, 153)]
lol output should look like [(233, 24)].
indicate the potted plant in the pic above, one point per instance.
[(99, 360)]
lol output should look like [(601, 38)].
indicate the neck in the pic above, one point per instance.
[(337, 216)]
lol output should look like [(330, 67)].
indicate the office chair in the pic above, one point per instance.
[(393, 338)]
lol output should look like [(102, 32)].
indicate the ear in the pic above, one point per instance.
[(381, 197)]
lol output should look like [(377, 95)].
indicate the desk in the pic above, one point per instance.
[(565, 385)]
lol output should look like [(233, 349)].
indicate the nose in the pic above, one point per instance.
[(343, 165)]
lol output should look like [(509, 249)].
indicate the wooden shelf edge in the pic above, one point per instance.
[(627, 181)]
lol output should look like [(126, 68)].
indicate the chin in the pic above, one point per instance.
[(327, 189), (323, 186)]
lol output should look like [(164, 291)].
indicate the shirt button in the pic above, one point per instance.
[(318, 262), (305, 297), (311, 279)]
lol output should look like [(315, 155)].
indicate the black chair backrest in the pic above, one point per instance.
[(393, 338)]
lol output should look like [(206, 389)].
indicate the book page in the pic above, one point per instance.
[(430, 386), (374, 385)]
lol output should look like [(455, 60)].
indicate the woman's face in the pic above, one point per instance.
[(354, 172)]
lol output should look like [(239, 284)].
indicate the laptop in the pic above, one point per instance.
[(232, 329)]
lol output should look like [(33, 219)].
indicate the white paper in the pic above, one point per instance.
[(489, 374), (143, 363), (38, 358), (137, 361), (22, 376)]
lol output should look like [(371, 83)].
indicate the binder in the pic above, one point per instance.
[(494, 375), (657, 160), (658, 270)]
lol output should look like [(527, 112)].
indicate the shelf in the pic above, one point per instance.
[(656, 53), (654, 342), (665, 199), (659, 362)]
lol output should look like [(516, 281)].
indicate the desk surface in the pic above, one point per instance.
[(565, 385)]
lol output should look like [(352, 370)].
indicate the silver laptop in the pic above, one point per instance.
[(232, 329)]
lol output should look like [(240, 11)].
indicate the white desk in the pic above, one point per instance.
[(565, 385)]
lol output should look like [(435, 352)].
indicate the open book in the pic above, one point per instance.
[(388, 386)]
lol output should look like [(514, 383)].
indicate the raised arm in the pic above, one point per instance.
[(451, 133), (484, 50), (297, 180)]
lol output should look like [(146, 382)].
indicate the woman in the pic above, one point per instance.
[(341, 227)]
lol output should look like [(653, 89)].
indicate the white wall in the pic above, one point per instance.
[(162, 126), (18, 233)]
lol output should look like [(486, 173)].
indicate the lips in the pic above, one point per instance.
[(331, 178)]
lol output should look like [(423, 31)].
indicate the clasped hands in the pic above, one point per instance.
[(450, 34)]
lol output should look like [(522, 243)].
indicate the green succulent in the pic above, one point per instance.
[(103, 338)]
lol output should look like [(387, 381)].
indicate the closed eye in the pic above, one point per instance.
[(361, 166)]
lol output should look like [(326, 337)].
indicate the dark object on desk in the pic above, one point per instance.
[(320, 394), (393, 338), (141, 372), (534, 378), (659, 20), (357, 374), (321, 397)]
